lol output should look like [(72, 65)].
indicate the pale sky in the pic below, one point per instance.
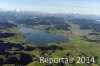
[(56, 6)]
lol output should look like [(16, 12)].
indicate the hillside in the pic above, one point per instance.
[(83, 35)]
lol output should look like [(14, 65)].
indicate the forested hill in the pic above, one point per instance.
[(60, 21), (80, 35)]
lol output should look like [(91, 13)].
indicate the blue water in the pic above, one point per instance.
[(41, 38)]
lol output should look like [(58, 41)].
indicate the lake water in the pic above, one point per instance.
[(41, 38)]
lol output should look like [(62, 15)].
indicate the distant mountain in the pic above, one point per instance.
[(60, 21), (7, 25), (87, 24)]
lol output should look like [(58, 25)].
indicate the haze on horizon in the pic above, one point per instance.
[(54, 6)]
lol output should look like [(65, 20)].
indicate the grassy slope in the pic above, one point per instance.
[(75, 47)]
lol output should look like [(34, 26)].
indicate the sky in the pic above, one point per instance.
[(54, 6)]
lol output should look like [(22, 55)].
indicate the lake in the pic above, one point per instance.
[(41, 38)]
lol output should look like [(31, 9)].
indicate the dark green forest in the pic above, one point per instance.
[(82, 33)]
